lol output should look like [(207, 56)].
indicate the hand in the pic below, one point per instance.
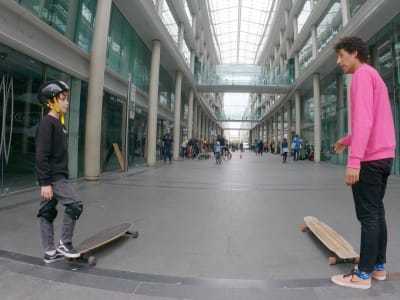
[(46, 192), (352, 176), (339, 147)]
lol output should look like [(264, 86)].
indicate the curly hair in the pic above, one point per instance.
[(351, 44)]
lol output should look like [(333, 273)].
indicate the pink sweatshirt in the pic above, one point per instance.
[(372, 129)]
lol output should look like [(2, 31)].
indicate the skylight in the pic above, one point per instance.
[(240, 28)]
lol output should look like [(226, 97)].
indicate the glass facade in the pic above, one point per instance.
[(170, 22), (20, 78), (305, 55), (385, 56), (384, 49), (72, 18), (126, 52), (330, 25), (355, 6), (303, 16)]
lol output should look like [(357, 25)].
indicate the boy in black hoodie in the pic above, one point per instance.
[(52, 173)]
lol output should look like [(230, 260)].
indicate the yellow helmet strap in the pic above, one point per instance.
[(55, 106)]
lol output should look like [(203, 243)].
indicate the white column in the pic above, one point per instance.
[(340, 111), (295, 28), (314, 42), (199, 121), (177, 115), (298, 112), (192, 57), (282, 123), (317, 118), (296, 65), (190, 114), (153, 105), (345, 11), (195, 106), (289, 124), (181, 30), (276, 132), (95, 91)]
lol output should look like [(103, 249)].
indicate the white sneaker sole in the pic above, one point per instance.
[(53, 260), (380, 278), (69, 255), (350, 285)]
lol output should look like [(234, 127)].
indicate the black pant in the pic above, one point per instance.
[(368, 196)]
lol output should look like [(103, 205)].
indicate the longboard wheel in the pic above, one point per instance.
[(92, 260), (303, 228), (331, 260)]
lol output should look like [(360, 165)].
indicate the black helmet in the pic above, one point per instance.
[(51, 89)]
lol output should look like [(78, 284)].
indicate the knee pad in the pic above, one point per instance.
[(48, 211), (74, 210)]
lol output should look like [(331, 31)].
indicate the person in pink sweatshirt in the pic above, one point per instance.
[(372, 149)]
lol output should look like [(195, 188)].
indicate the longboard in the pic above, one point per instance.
[(102, 238), (332, 240)]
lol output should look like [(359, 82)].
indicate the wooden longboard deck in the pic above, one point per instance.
[(330, 238), (103, 237)]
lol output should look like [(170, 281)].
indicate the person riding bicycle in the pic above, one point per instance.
[(218, 151)]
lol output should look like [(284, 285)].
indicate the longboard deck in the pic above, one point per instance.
[(102, 238), (331, 240)]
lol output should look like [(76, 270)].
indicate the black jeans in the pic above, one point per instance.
[(368, 196)]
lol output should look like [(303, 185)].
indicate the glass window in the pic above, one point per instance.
[(74, 19), (115, 40), (329, 25), (305, 55), (165, 88), (303, 16), (112, 131), (355, 5), (186, 53), (170, 22), (188, 12), (85, 24)]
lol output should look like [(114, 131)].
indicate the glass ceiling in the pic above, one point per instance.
[(241, 28)]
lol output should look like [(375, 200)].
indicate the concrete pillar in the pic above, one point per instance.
[(192, 58), (95, 90), (314, 41), (181, 31), (262, 131), (298, 112), (317, 118), (296, 65), (345, 11), (295, 28), (282, 124), (289, 124), (195, 106), (153, 105), (73, 127), (199, 121), (190, 114), (276, 132), (177, 115)]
